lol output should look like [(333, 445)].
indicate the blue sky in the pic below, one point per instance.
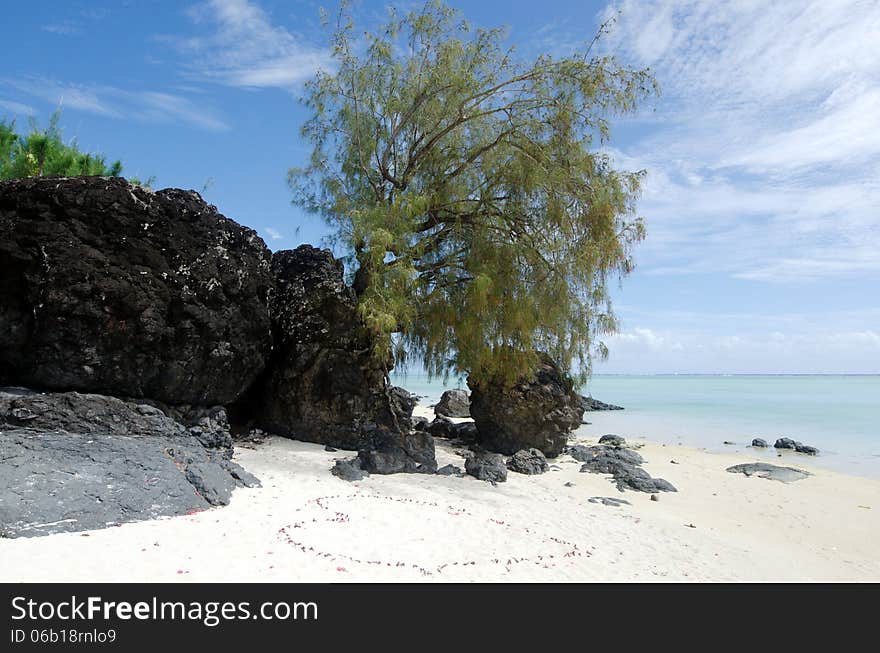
[(763, 151)]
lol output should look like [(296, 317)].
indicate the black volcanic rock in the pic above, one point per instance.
[(623, 465), (612, 440), (111, 288), (453, 403), (71, 462), (528, 461), (800, 447), (402, 404), (389, 452), (537, 413), (590, 404), (323, 383), (486, 467)]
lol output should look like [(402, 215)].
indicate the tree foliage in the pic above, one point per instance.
[(44, 152), (469, 188)]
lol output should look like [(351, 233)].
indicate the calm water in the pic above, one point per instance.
[(838, 414)]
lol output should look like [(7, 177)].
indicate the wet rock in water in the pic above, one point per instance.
[(322, 384), (612, 440), (349, 470), (590, 404), (758, 442), (454, 403), (110, 288), (486, 467), (623, 465), (729, 442), (71, 461), (569, 484), (538, 413), (800, 447), (450, 470), (327, 447), (528, 461), (609, 501), (388, 452), (773, 472)]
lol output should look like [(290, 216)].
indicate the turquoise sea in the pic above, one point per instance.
[(838, 414)]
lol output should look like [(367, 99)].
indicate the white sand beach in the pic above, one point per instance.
[(306, 525)]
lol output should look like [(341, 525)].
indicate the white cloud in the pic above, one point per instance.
[(274, 234), (764, 150), (65, 28), (141, 105), (18, 108), (245, 49), (647, 351)]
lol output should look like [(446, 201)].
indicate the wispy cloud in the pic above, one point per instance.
[(764, 151), (65, 28), (274, 234), (17, 108), (645, 350), (242, 47), (113, 102)]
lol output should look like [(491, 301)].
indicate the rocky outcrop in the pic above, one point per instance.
[(759, 443), (111, 288), (537, 413), (800, 447), (390, 452), (590, 404), (453, 403), (622, 464), (528, 461), (612, 440), (349, 469), (71, 462), (403, 403), (323, 383), (486, 467), (772, 472)]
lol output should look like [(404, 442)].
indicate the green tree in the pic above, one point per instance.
[(469, 189), (44, 152)]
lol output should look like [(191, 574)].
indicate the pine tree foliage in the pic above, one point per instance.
[(44, 152), (470, 189)]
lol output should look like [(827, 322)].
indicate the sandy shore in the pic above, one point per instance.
[(306, 525)]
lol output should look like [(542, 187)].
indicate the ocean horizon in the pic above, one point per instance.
[(838, 413)]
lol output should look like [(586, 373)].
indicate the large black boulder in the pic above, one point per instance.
[(453, 403), (486, 467), (390, 452), (323, 383), (528, 461), (71, 462), (533, 413), (111, 288)]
